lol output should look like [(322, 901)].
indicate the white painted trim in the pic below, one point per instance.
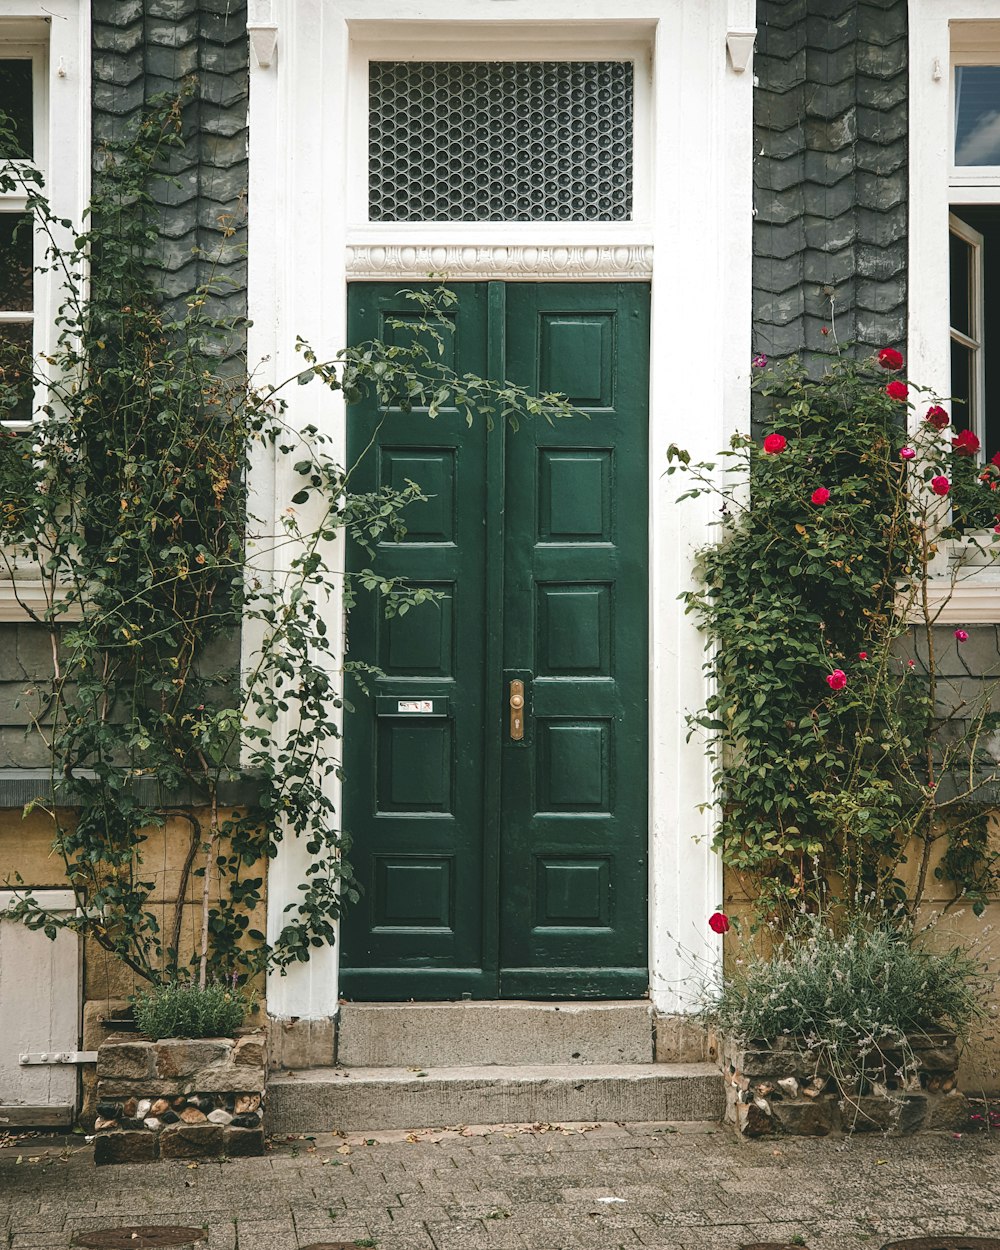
[(699, 188), (51, 900), (972, 600), (466, 261), (740, 44), (26, 596), (934, 186), (975, 416), (63, 154), (448, 39)]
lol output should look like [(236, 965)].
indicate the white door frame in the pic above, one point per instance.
[(692, 235)]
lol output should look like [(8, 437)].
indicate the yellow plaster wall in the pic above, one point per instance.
[(26, 849)]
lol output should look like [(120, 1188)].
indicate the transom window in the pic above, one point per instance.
[(500, 141)]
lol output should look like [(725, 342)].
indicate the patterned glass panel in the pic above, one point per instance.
[(507, 141)]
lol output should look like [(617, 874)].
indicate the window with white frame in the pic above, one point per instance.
[(531, 130), (974, 230), (44, 93), (22, 102)]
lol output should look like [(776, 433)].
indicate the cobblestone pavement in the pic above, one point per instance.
[(522, 1189)]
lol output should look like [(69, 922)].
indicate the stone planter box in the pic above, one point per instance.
[(778, 1087), (179, 1098)]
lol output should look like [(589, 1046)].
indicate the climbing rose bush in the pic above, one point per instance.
[(821, 727)]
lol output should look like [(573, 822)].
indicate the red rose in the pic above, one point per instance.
[(995, 459), (966, 444), (719, 922), (775, 443), (820, 495), (862, 655), (897, 390), (940, 485), (836, 680), (889, 358), (937, 417)]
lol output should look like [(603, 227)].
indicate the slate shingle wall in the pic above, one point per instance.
[(142, 48), (830, 174)]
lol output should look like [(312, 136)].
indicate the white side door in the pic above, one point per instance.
[(39, 1015)]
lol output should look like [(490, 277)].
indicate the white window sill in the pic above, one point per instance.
[(26, 596), (961, 593)]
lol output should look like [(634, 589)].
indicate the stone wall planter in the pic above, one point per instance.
[(179, 1098), (776, 1087)]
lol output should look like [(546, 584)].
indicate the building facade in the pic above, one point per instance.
[(630, 200)]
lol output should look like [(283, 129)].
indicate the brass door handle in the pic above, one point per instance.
[(517, 711)]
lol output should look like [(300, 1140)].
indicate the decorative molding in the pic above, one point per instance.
[(263, 40), (583, 262), (972, 601), (18, 600), (740, 44)]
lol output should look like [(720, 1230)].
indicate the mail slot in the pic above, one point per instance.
[(393, 705)]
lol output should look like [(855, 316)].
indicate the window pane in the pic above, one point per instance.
[(962, 359), (977, 115), (500, 141), (15, 371), (16, 100), (15, 262), (961, 285)]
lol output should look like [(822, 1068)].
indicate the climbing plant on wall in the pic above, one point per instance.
[(841, 753), (126, 497)]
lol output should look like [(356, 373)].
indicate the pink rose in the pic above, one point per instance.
[(820, 495), (906, 453), (940, 485), (962, 635), (836, 680)]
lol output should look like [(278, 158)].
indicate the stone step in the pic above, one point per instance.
[(357, 1099), (448, 1035)]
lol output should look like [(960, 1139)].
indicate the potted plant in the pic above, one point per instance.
[(189, 1084), (851, 1022)]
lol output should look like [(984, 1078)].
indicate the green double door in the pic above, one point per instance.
[(498, 859)]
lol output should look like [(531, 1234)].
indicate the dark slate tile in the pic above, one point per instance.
[(823, 267), (826, 169), (116, 13), (882, 229), (833, 135), (774, 209), (885, 126), (885, 297), (881, 24)]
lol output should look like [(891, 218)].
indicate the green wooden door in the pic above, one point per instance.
[(493, 866)]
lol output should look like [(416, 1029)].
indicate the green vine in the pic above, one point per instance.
[(840, 750), (127, 497)]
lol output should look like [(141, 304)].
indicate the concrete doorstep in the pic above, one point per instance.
[(357, 1099)]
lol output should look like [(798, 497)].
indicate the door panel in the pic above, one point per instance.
[(414, 794), (573, 808), (493, 866)]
